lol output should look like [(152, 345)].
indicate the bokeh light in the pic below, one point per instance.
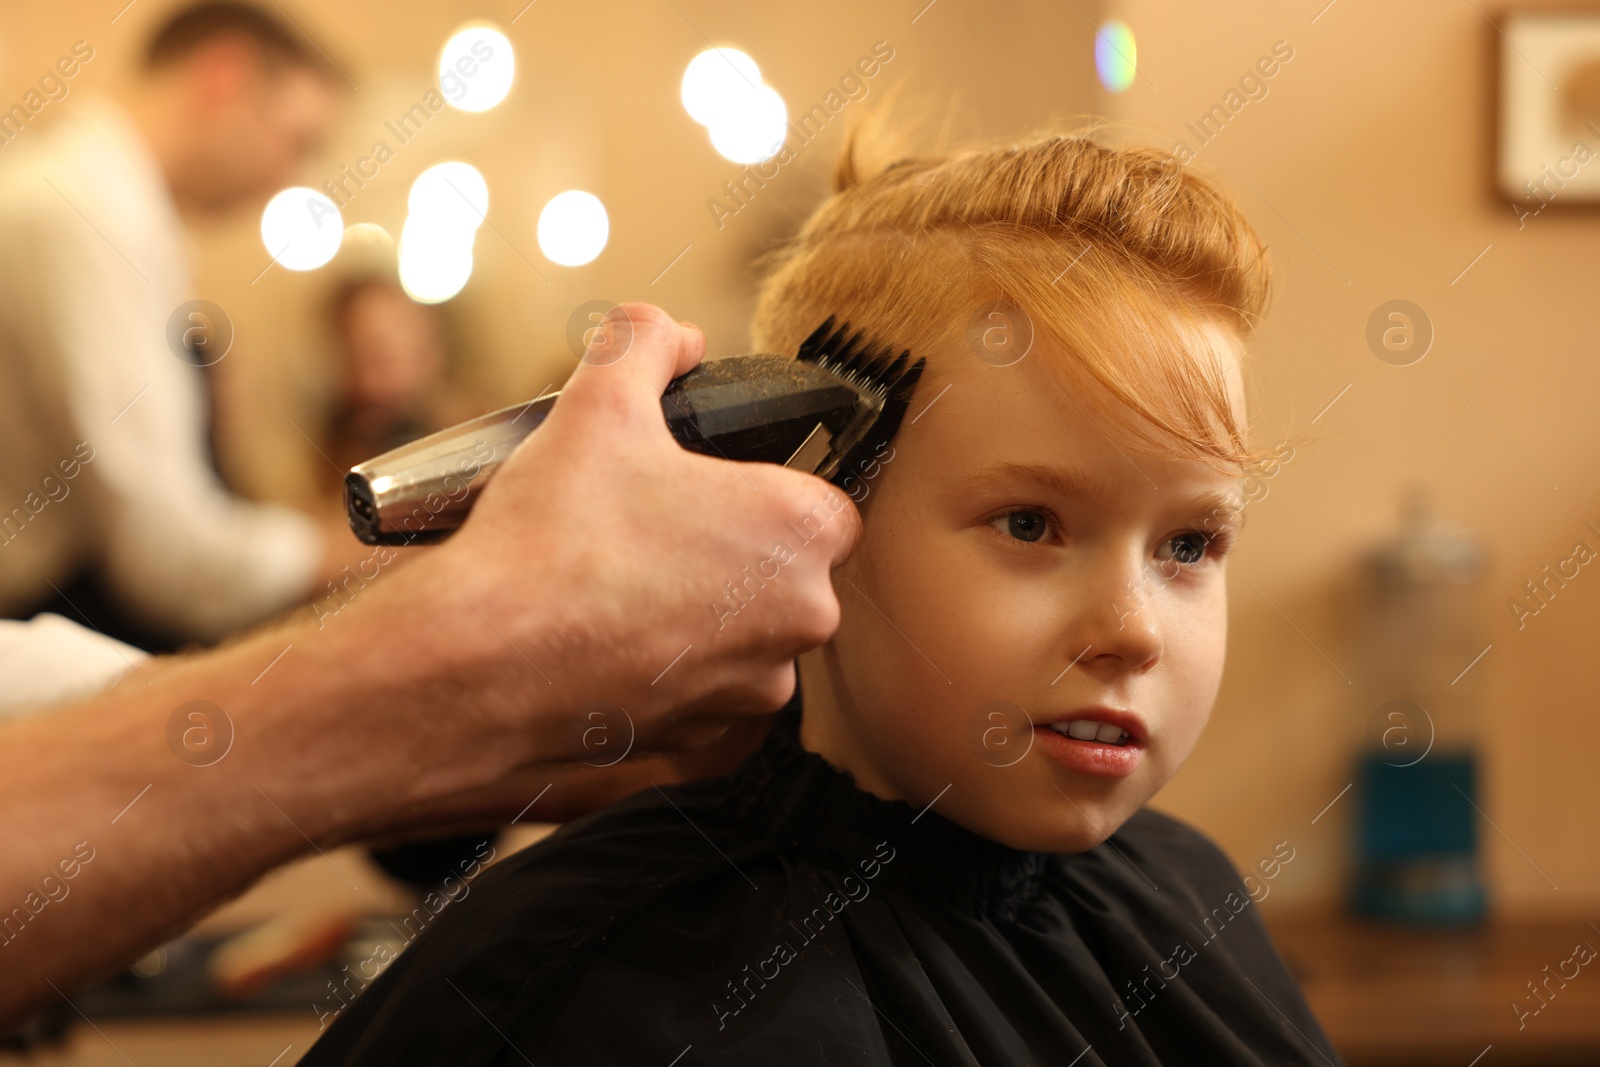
[(573, 228), (476, 68), (722, 91), (301, 228), (1116, 56), (435, 259), (715, 80), (753, 129), (453, 194)]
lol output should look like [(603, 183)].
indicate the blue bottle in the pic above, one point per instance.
[(1417, 819)]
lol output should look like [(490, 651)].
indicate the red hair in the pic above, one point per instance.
[(1121, 257)]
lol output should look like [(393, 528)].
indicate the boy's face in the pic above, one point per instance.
[(1018, 570)]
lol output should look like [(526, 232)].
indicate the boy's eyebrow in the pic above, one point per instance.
[(1092, 489)]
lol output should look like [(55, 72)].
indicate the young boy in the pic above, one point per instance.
[(946, 858)]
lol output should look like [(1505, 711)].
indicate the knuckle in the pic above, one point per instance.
[(818, 622), (641, 315), (776, 688), (801, 507)]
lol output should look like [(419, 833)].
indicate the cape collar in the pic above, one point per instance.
[(818, 810)]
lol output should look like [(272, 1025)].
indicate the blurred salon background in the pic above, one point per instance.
[(1402, 757)]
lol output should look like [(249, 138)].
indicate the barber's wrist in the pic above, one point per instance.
[(419, 693)]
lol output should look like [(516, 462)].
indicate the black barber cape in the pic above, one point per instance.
[(780, 915)]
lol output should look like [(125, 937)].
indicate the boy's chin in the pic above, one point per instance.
[(1053, 826)]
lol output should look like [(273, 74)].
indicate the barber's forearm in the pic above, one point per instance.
[(164, 839), (333, 727)]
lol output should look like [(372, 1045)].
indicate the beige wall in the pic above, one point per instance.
[(1369, 152)]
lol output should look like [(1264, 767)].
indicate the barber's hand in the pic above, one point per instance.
[(608, 570), (556, 792)]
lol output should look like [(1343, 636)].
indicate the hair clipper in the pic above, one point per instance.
[(825, 411)]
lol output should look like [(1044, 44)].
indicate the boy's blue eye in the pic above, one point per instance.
[(1193, 548), (1027, 525), (1189, 548)]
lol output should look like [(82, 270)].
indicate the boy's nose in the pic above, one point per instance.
[(1119, 622)]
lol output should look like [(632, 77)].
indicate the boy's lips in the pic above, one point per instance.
[(1090, 756), (1129, 723)]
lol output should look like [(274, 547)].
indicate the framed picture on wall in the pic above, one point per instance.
[(1547, 120)]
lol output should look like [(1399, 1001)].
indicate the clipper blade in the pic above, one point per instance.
[(885, 380)]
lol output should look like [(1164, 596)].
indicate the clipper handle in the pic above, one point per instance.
[(762, 407), (421, 492)]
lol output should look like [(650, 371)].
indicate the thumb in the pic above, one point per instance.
[(841, 533), (634, 352), (847, 530)]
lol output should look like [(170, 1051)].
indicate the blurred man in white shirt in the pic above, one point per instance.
[(143, 541)]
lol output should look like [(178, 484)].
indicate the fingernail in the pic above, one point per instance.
[(691, 326)]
